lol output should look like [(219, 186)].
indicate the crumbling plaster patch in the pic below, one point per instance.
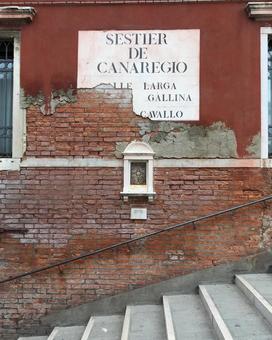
[(57, 98), (180, 140), (254, 148), (266, 232)]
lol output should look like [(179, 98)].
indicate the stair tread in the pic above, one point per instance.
[(262, 283), (106, 327), (189, 318), (33, 338), (258, 277), (147, 322), (67, 333), (239, 315)]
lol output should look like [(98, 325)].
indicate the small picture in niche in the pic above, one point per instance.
[(138, 173)]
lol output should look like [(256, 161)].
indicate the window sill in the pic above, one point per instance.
[(10, 164)]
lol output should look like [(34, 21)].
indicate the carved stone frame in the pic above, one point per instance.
[(138, 152)]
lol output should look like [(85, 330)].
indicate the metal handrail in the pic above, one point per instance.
[(117, 245), (13, 230)]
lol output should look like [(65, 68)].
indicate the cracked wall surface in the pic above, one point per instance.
[(180, 140), (254, 148)]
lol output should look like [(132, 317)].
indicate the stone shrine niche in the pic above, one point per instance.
[(138, 171)]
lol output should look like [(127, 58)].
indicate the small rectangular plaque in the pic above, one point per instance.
[(138, 214)]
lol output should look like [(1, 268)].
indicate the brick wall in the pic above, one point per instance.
[(69, 211), (100, 119), (88, 128)]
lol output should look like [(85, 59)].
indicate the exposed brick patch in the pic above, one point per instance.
[(89, 127), (69, 211)]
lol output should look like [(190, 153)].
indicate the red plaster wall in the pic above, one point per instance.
[(229, 61)]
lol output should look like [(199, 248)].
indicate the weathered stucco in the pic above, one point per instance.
[(254, 148), (27, 101), (48, 107), (266, 232), (180, 140)]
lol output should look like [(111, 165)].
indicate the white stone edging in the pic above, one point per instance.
[(70, 163), (168, 319), (218, 323), (32, 162), (126, 324), (53, 333), (88, 329), (263, 306), (208, 163), (160, 163)]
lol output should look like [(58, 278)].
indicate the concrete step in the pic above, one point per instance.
[(186, 318), (258, 288), (144, 322), (227, 312), (67, 333), (104, 328), (33, 338), (232, 314)]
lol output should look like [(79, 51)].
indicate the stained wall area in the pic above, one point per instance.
[(68, 210)]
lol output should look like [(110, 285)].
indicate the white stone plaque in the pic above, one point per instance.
[(138, 213), (161, 68)]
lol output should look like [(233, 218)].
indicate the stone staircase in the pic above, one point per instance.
[(221, 311)]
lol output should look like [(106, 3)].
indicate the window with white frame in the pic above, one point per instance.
[(11, 116), (269, 93), (266, 92), (6, 95), (262, 11)]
